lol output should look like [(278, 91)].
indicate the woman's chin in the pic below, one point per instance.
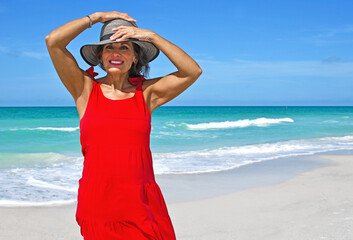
[(115, 70)]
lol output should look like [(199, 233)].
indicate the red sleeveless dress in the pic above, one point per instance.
[(118, 197)]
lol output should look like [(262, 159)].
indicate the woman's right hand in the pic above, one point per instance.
[(106, 16)]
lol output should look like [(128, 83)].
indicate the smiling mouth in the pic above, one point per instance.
[(116, 63)]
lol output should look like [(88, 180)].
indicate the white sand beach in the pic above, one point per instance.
[(316, 204)]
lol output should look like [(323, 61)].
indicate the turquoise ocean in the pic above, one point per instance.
[(41, 160)]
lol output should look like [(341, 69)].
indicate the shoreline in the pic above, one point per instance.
[(181, 187), (316, 203)]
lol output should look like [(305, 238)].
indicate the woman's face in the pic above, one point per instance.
[(118, 57)]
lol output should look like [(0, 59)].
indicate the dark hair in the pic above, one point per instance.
[(141, 68)]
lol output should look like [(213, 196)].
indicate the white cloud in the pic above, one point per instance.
[(334, 36), (30, 54), (276, 69), (332, 59), (334, 32), (37, 55)]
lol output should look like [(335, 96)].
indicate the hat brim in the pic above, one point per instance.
[(89, 51)]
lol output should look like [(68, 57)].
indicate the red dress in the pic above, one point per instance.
[(118, 197)]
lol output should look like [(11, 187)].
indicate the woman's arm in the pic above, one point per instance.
[(162, 90), (65, 64), (170, 86)]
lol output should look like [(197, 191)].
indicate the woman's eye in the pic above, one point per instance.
[(124, 47)]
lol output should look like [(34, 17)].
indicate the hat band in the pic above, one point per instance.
[(107, 36)]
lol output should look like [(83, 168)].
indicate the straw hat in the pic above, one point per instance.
[(89, 51)]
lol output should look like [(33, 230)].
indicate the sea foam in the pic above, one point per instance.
[(62, 129), (259, 122), (226, 158), (15, 203), (38, 183)]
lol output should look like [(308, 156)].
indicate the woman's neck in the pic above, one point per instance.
[(118, 81)]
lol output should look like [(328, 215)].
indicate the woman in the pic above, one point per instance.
[(118, 197)]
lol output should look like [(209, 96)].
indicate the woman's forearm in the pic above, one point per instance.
[(182, 61), (63, 35)]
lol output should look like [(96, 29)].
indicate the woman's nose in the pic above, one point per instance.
[(116, 53)]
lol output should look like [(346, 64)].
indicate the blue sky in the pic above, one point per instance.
[(259, 53)]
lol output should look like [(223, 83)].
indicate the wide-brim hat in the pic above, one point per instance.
[(89, 51)]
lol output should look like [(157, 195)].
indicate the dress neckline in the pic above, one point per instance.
[(101, 91)]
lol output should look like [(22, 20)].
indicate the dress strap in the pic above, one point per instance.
[(91, 72), (137, 81)]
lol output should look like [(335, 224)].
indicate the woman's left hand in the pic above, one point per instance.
[(125, 32)]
